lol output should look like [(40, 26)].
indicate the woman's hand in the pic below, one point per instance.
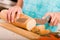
[(55, 18), (13, 12)]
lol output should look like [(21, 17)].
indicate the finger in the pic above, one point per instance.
[(46, 15), (55, 22), (8, 15), (14, 13), (52, 20), (18, 14)]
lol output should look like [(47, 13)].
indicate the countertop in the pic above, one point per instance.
[(9, 35)]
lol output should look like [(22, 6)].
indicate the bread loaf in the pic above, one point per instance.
[(24, 21)]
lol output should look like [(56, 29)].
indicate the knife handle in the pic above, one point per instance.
[(49, 19)]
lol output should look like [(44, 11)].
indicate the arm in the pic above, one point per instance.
[(19, 3)]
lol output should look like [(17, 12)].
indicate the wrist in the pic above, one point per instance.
[(19, 4)]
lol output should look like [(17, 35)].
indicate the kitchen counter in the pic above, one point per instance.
[(8, 35)]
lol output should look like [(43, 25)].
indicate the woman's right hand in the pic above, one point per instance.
[(13, 12)]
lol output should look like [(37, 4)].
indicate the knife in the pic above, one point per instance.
[(43, 21)]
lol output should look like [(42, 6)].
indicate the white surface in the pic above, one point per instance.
[(8, 35)]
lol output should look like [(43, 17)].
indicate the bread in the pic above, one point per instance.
[(24, 21), (40, 30)]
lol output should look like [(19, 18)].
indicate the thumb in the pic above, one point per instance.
[(18, 13), (46, 16)]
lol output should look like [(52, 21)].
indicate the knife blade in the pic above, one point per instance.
[(43, 21)]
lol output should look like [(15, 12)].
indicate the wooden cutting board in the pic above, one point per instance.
[(19, 31)]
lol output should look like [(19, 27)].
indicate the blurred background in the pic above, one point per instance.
[(7, 3)]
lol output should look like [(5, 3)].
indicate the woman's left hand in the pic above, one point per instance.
[(55, 18)]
